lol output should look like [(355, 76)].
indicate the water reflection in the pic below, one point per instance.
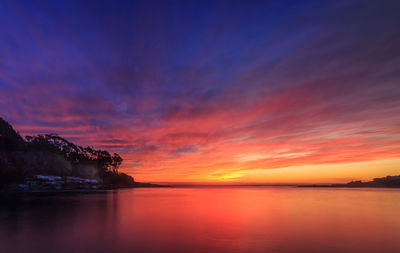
[(265, 219)]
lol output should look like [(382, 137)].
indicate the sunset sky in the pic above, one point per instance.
[(211, 92)]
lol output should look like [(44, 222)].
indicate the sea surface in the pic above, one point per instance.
[(205, 219)]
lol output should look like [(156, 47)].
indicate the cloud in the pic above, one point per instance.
[(199, 91)]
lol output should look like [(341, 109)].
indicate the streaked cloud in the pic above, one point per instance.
[(207, 91)]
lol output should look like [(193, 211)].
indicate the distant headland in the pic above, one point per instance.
[(382, 182), (51, 163)]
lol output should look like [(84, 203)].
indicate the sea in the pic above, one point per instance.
[(204, 219)]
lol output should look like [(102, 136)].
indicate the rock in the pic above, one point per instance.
[(47, 178)]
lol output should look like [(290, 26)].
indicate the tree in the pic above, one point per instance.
[(53, 155)]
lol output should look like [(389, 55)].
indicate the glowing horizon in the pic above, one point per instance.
[(211, 92)]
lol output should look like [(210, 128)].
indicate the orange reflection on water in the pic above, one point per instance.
[(219, 219)]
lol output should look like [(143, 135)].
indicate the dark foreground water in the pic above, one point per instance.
[(242, 219)]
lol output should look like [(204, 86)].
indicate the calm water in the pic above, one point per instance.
[(242, 219)]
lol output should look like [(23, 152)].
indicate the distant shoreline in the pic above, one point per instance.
[(382, 182), (342, 186)]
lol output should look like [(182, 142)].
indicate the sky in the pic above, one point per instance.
[(211, 92)]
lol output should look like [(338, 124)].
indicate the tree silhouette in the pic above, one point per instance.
[(53, 155)]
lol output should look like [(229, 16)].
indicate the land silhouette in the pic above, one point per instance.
[(382, 182), (50, 162)]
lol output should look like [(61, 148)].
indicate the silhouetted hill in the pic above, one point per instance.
[(10, 140), (385, 182), (50, 161)]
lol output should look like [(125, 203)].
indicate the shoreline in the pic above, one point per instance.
[(82, 190), (345, 186)]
